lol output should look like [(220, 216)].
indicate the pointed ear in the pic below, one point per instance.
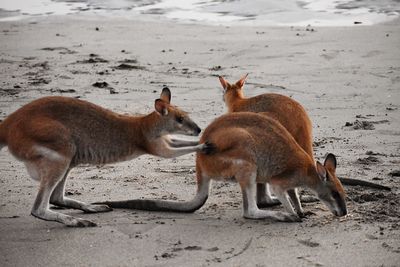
[(166, 95), (330, 162), (223, 82), (240, 83), (321, 171), (161, 107)]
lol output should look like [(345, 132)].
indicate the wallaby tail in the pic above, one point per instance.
[(158, 205), (209, 149), (349, 181), (3, 140)]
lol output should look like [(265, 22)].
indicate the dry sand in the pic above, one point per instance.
[(339, 74)]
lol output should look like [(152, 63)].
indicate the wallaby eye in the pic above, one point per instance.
[(179, 119)]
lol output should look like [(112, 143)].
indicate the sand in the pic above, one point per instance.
[(342, 76)]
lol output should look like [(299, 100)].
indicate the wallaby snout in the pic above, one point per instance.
[(196, 130), (189, 127), (341, 209)]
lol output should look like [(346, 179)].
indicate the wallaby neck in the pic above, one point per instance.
[(312, 179), (150, 126), (304, 173), (233, 99)]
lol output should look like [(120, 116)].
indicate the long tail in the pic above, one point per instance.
[(210, 148), (163, 205), (157, 205), (348, 181), (3, 140)]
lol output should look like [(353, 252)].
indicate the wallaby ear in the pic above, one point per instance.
[(161, 107), (223, 82), (240, 83), (321, 171), (330, 162), (166, 95)]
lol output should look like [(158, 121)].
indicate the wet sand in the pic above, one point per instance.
[(343, 76)]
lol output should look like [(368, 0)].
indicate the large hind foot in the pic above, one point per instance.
[(276, 215), (68, 220)]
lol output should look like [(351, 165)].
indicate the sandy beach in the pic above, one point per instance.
[(348, 79)]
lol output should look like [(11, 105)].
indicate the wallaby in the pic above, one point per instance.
[(52, 135), (292, 116), (285, 110), (251, 148)]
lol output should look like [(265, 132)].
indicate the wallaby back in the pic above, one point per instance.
[(86, 132), (285, 110), (69, 125), (253, 138)]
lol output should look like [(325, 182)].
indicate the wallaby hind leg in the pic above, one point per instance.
[(50, 173), (250, 209), (264, 197), (58, 198)]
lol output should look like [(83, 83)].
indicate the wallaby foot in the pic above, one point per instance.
[(69, 221), (58, 198), (276, 215), (52, 180), (305, 214)]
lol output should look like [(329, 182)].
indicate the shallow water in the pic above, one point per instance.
[(225, 12)]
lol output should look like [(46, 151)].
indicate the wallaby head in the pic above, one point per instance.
[(232, 91), (330, 190), (173, 120)]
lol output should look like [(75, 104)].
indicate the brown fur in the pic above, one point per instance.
[(251, 148), (284, 109), (288, 112), (259, 141), (51, 135), (248, 144)]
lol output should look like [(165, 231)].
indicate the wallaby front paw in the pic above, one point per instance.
[(286, 217), (305, 214)]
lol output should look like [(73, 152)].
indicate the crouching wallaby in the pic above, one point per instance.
[(285, 110), (251, 148), (52, 135)]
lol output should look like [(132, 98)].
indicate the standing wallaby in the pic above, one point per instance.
[(52, 135), (285, 110), (251, 148)]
